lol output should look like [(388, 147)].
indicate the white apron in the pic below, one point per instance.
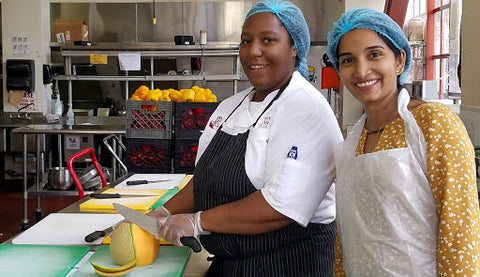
[(386, 214)]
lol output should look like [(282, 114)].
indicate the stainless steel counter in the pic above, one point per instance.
[(42, 129), (93, 129), (14, 120)]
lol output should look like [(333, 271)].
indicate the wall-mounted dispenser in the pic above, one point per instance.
[(47, 74), (20, 74)]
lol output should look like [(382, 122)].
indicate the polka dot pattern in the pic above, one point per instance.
[(452, 178)]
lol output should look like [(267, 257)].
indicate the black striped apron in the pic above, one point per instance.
[(220, 178)]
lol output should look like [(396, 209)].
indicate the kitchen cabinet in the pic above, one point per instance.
[(160, 62)]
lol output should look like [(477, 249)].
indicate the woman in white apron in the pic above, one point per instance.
[(407, 202)]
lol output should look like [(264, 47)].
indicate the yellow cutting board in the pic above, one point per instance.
[(141, 203), (185, 181), (136, 191)]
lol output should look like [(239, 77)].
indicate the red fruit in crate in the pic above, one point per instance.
[(189, 123), (197, 111), (194, 148), (147, 148)]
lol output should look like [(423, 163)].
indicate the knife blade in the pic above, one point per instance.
[(98, 234), (117, 195), (149, 224), (142, 182)]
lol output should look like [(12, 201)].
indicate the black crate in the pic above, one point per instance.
[(185, 153), (148, 155), (191, 117), (149, 119)]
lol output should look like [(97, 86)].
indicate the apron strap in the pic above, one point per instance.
[(280, 91)]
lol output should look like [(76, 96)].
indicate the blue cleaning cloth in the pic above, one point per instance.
[(373, 20), (295, 23)]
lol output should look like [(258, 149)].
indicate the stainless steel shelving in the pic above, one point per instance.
[(151, 51)]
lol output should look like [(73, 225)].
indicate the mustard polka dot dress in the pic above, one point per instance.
[(452, 178)]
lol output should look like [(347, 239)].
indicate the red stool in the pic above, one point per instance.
[(76, 181)]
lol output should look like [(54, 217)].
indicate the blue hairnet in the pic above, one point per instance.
[(296, 25), (373, 20)]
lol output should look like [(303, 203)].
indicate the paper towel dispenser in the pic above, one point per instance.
[(20, 74)]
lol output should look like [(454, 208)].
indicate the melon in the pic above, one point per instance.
[(130, 242), (114, 271)]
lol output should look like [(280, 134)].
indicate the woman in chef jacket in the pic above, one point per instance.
[(262, 198), (406, 193)]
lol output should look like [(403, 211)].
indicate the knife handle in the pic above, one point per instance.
[(137, 182), (95, 235), (192, 243), (105, 195)]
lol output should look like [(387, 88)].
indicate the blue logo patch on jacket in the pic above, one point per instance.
[(292, 154)]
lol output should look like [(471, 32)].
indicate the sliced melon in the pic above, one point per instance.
[(129, 265), (130, 242), (117, 273)]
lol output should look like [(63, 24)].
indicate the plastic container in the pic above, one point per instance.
[(58, 106), (185, 153), (192, 117), (148, 155), (203, 37), (149, 119), (70, 116)]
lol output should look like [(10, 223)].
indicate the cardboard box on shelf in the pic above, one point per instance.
[(69, 30)]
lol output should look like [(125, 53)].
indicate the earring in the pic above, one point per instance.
[(398, 71)]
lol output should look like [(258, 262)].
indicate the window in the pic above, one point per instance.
[(443, 45), (442, 41)]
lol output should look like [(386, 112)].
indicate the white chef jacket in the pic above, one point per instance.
[(289, 154)]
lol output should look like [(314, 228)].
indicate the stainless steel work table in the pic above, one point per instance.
[(91, 129)]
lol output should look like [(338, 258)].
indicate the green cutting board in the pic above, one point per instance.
[(169, 194), (39, 260), (170, 262)]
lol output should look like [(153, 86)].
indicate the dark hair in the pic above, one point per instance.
[(390, 45), (396, 53)]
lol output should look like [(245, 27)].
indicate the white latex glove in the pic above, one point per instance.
[(160, 212), (180, 225)]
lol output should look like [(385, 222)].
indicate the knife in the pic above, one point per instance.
[(117, 195), (149, 224), (98, 234), (142, 182)]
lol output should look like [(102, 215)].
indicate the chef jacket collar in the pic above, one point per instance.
[(242, 117)]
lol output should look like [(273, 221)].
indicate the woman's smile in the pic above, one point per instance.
[(366, 84)]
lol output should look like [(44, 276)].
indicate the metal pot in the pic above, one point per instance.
[(59, 178), (87, 174), (94, 183)]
